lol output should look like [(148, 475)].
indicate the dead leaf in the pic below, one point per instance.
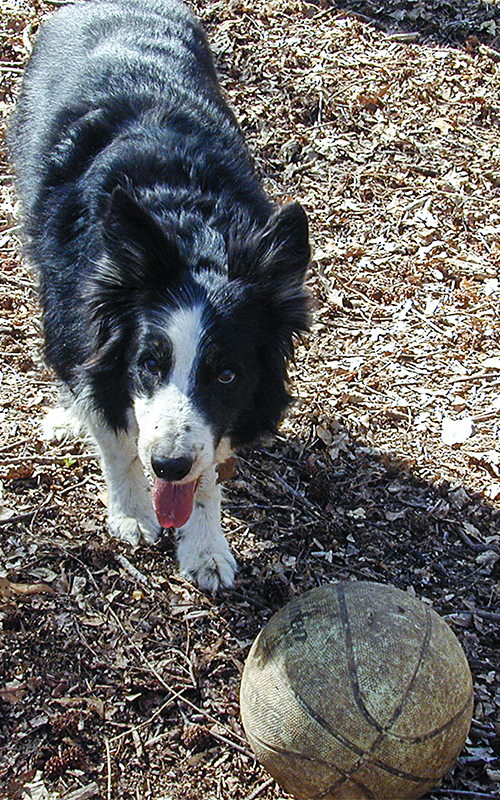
[(9, 589), (13, 693), (16, 784), (226, 470), (20, 473), (372, 101), (6, 513), (456, 431), (90, 702), (443, 125)]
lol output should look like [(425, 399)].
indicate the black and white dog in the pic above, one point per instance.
[(171, 286)]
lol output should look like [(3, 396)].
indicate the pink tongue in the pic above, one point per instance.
[(173, 502)]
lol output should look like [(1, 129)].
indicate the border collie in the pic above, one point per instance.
[(171, 286)]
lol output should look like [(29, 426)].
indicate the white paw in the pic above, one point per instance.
[(59, 423), (131, 530), (209, 568)]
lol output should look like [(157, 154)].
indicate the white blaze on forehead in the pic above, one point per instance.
[(184, 331)]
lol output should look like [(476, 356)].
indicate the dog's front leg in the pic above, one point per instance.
[(130, 508), (203, 552)]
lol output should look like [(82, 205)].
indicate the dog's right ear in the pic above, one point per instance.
[(140, 254), (139, 258)]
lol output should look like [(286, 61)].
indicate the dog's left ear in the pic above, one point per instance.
[(274, 259), (278, 252), (283, 251)]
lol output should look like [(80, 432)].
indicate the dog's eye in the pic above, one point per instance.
[(151, 365), (226, 376)]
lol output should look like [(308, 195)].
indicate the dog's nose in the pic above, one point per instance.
[(171, 469)]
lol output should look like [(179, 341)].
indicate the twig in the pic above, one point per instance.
[(466, 795), (300, 497), (178, 695), (430, 324), (134, 572), (213, 733), (405, 37), (74, 486), (212, 719), (232, 744), (174, 695), (83, 793), (476, 546), (108, 769), (490, 373), (354, 290), (250, 598), (19, 282), (489, 615), (165, 685), (52, 459), (129, 732), (14, 445), (260, 789), (26, 517), (358, 16), (486, 416)]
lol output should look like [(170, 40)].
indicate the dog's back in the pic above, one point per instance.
[(98, 67)]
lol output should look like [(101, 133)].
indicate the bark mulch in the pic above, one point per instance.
[(117, 678)]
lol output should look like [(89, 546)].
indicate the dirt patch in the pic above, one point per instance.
[(118, 679)]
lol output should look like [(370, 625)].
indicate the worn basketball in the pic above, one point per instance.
[(356, 691)]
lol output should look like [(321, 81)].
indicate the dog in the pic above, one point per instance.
[(172, 288)]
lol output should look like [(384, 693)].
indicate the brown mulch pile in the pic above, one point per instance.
[(117, 678)]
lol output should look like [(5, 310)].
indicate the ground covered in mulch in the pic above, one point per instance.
[(117, 678)]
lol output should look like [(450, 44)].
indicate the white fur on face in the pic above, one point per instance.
[(167, 421)]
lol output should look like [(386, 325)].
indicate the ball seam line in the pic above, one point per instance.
[(351, 746), (353, 671)]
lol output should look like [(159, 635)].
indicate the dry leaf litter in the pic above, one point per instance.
[(118, 679)]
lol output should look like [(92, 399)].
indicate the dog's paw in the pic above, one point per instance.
[(132, 530), (59, 423), (210, 570)]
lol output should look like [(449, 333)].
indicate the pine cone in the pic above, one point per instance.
[(74, 758), (320, 488), (53, 768), (101, 555), (197, 738), (71, 758)]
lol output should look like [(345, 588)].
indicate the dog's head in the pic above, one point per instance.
[(200, 353)]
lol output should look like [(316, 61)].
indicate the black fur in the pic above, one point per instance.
[(139, 195)]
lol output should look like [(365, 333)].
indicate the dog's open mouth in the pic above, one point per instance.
[(173, 502)]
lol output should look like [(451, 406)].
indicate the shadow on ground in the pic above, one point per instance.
[(361, 515), (439, 21)]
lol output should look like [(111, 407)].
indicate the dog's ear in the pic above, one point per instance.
[(140, 254), (282, 248), (274, 260), (278, 252), (139, 257)]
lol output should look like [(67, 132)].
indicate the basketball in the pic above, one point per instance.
[(355, 691)]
